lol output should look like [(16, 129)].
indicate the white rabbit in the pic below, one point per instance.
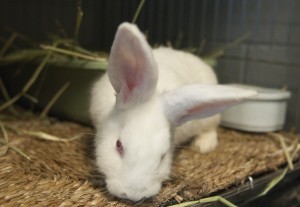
[(141, 108)]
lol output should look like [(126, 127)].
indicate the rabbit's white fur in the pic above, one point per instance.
[(176, 69), (145, 102)]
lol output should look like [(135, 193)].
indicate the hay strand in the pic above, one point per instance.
[(273, 183), (5, 136), (3, 90), (3, 150), (138, 11), (30, 98), (28, 85), (8, 43), (79, 49), (285, 150), (206, 200), (289, 149), (42, 135), (6, 96), (289, 157), (10, 102), (22, 55), (16, 149), (23, 37), (220, 51), (79, 17), (36, 73), (74, 54), (296, 149), (54, 99), (8, 145)]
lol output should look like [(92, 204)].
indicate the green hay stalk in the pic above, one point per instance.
[(22, 55), (10, 102), (23, 37), (79, 49), (4, 132), (273, 183), (79, 17), (285, 150), (8, 43), (206, 200), (54, 99), (42, 135), (6, 143), (30, 98), (3, 150), (138, 11), (16, 149), (74, 54), (28, 85), (219, 52), (280, 177), (6, 97)]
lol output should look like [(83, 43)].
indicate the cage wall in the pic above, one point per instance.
[(268, 57)]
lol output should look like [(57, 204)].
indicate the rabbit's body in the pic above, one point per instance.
[(142, 107), (176, 69)]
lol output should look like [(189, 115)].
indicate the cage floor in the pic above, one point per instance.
[(62, 173)]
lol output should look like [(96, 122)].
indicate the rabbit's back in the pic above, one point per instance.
[(177, 68)]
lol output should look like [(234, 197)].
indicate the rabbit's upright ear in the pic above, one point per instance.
[(132, 69), (200, 101)]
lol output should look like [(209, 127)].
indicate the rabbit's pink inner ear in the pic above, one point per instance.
[(132, 69), (129, 86), (206, 109)]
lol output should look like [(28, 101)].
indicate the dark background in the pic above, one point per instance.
[(269, 57)]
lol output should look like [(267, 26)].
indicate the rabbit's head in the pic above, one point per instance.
[(134, 146)]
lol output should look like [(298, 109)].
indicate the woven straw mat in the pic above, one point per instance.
[(62, 173)]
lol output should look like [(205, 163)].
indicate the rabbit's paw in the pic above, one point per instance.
[(206, 142)]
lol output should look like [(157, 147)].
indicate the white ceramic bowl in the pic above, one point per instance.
[(264, 112)]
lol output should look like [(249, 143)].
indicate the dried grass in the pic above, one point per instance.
[(8, 43), (28, 85), (54, 99)]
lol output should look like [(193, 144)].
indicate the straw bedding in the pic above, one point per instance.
[(62, 173)]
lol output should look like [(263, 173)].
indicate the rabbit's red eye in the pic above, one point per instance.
[(119, 147)]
